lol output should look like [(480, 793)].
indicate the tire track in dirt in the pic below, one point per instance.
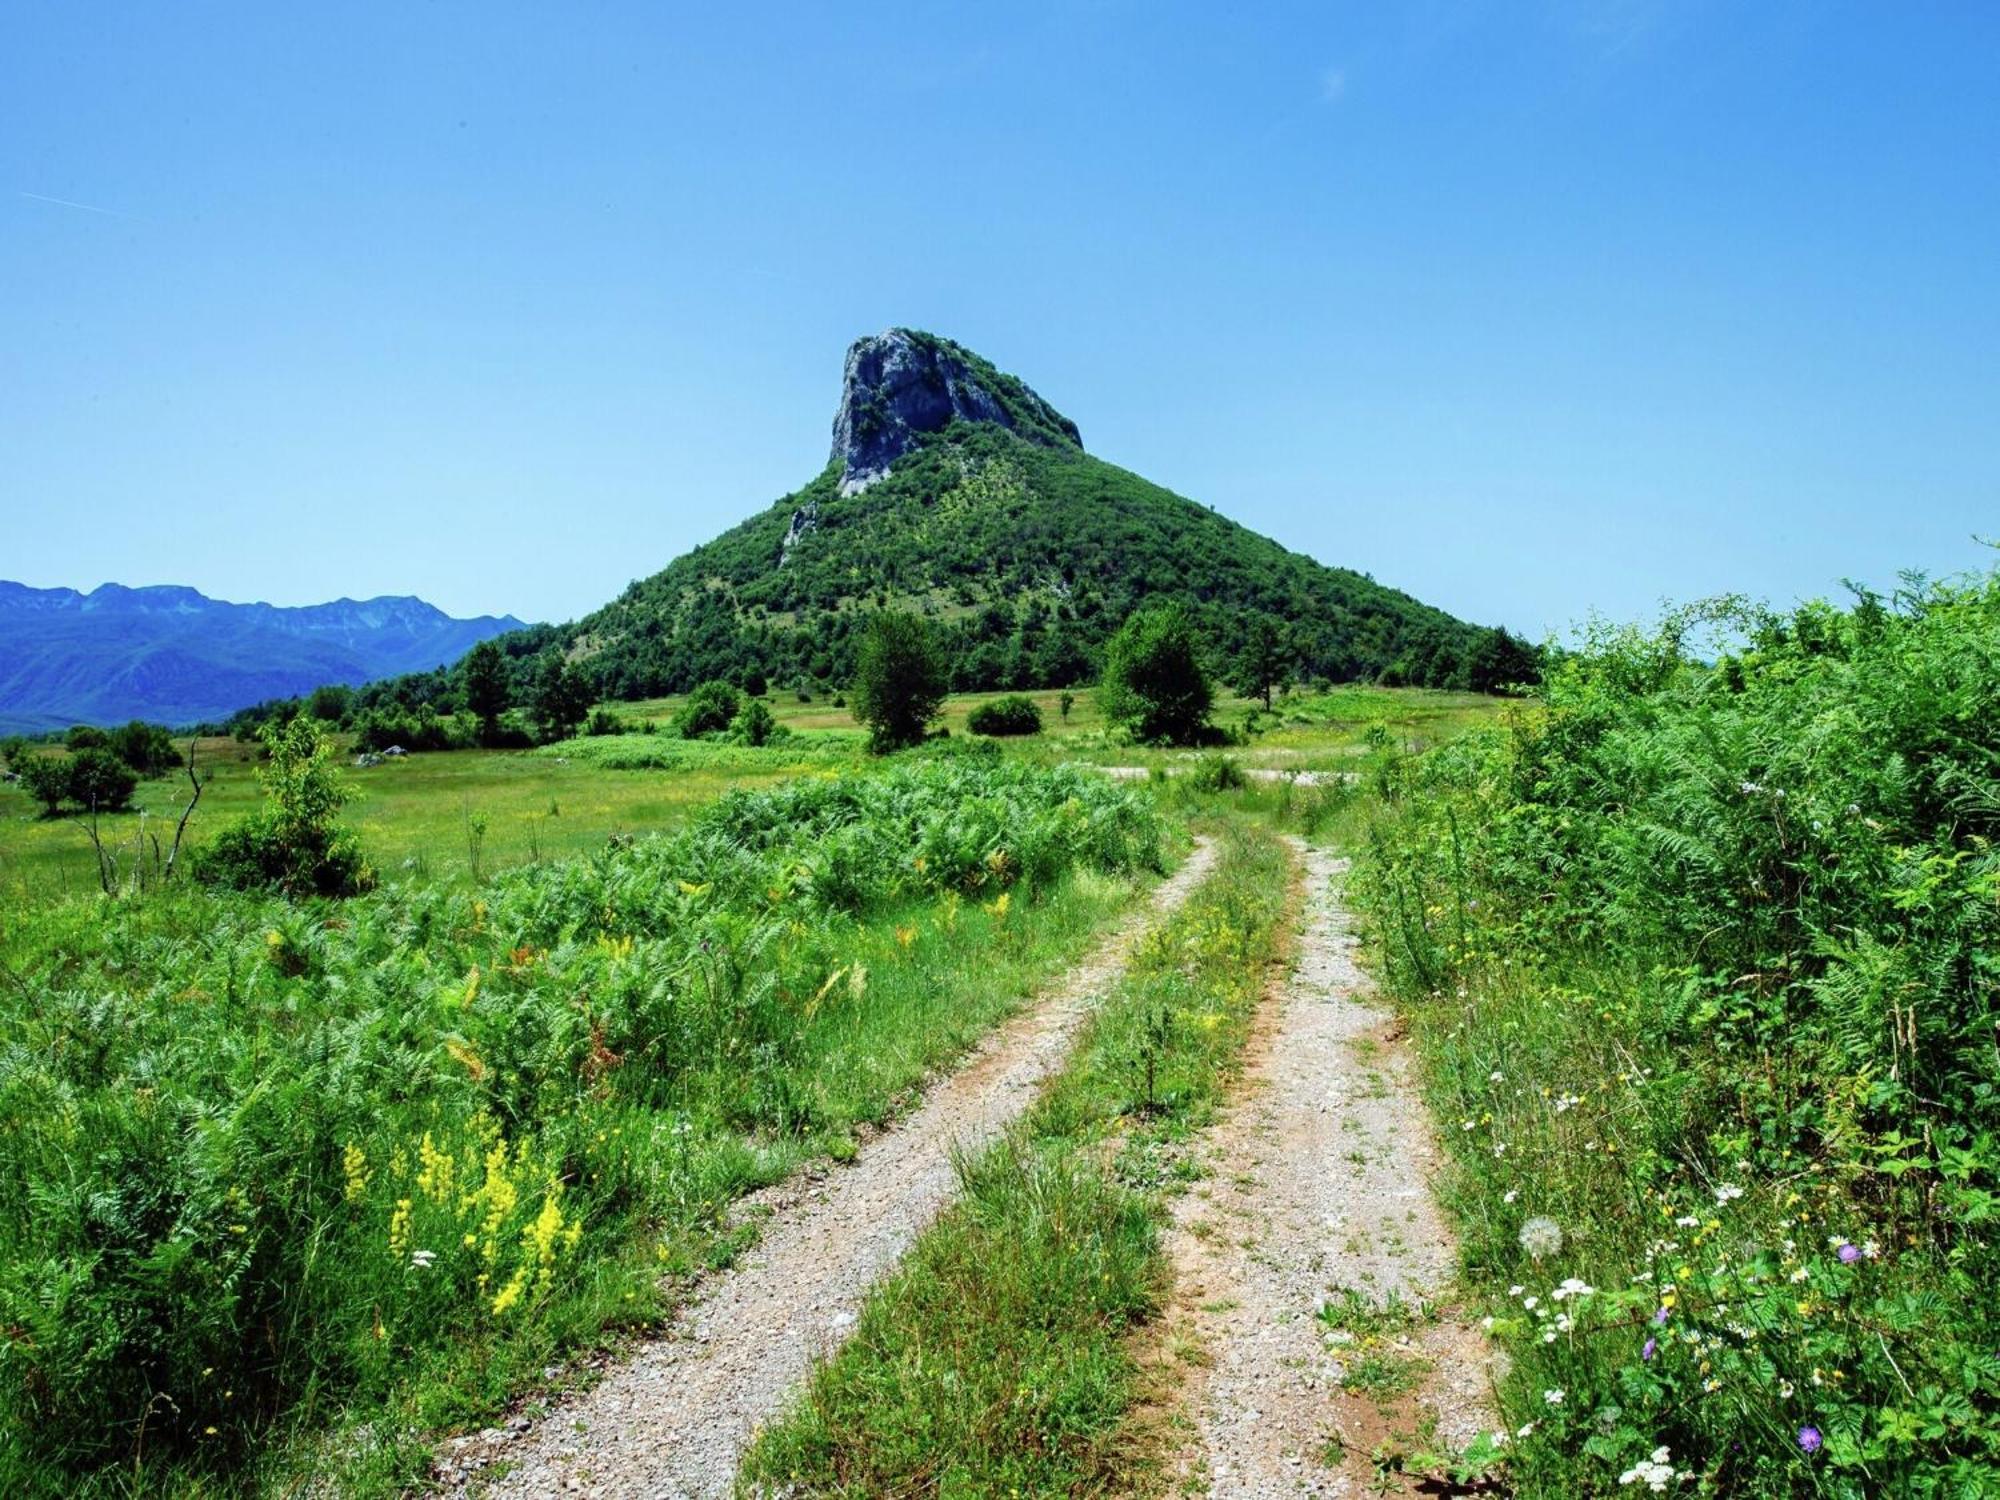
[(674, 1420), (1318, 1184)]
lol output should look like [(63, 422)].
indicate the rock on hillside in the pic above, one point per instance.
[(902, 383)]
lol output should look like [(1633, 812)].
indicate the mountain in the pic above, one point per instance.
[(956, 490), (176, 656)]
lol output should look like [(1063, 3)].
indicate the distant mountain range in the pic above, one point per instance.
[(179, 657)]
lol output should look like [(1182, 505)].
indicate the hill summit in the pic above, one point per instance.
[(955, 491), (901, 384)]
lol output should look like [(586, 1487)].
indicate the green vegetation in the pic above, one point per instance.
[(1027, 554), (1155, 685), (293, 846), (270, 1165), (1013, 714), (560, 700), (709, 709), (1700, 956), (901, 680), (999, 1358)]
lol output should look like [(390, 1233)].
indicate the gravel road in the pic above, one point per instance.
[(674, 1420)]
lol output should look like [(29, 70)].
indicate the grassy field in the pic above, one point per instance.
[(366, 1168), (420, 816)]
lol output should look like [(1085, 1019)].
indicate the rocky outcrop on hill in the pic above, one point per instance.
[(901, 384)]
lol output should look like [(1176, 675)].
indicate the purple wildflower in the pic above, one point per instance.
[(1660, 1316), (1649, 1349), (1849, 1254), (1809, 1439)]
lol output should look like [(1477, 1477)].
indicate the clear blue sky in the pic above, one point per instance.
[(1531, 309)]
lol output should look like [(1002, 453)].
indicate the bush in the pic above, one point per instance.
[(901, 678), (86, 737), (1216, 773), (293, 846), (755, 725), (99, 781), (603, 721), (708, 710), (1013, 714), (755, 685), (1154, 683), (1702, 953)]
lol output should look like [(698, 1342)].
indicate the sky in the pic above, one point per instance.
[(1535, 309)]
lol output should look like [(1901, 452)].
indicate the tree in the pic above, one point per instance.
[(562, 698), (708, 710), (1498, 662), (488, 693), (331, 703), (1154, 683), (1066, 702), (85, 737), (901, 678), (46, 779), (146, 748), (293, 844), (1263, 662), (100, 782)]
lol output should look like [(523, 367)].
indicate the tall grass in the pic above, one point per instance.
[(1000, 1358), (1701, 959), (262, 1164)]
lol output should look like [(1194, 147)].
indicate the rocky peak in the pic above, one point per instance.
[(903, 383)]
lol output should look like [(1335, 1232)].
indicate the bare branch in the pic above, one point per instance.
[(186, 812)]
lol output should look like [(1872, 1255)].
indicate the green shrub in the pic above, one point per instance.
[(708, 710), (1013, 714), (1701, 954), (1216, 773), (602, 722), (754, 724), (293, 845)]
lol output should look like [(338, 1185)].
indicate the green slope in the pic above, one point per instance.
[(1031, 554)]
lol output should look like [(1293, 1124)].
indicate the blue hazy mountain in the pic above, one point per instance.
[(177, 656)]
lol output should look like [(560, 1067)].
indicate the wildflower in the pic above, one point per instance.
[(1510, 1195), (1785, 1390), (1572, 1287), (1515, 1291), (1727, 1191), (1524, 1429), (1554, 1398), (1648, 1349), (1541, 1237), (1660, 1316), (422, 1259), (1849, 1254), (1531, 1303), (1496, 1076), (1810, 1439), (1655, 1473)]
